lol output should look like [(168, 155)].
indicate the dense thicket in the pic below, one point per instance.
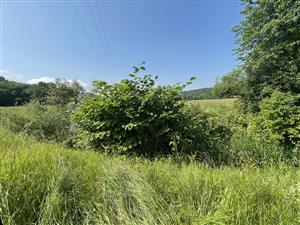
[(269, 46), (278, 120)]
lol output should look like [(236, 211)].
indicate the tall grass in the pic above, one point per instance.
[(46, 184), (43, 122)]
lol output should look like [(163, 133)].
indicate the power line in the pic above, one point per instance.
[(99, 36), (104, 33), (88, 34)]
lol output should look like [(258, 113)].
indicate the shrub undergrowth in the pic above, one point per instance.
[(43, 122)]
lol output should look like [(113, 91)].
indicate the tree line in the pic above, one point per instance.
[(268, 47), (61, 91), (268, 42)]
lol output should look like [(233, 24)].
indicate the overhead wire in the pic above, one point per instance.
[(104, 33), (99, 36), (89, 36)]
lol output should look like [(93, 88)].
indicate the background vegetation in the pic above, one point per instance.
[(15, 93), (201, 93)]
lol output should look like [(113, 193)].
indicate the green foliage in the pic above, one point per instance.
[(40, 91), (46, 184), (269, 46), (278, 119), (226, 111), (61, 92), (13, 93), (209, 136), (133, 116), (230, 85), (65, 92), (245, 150), (40, 121), (201, 93), (252, 148)]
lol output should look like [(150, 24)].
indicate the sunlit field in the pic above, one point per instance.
[(48, 184), (218, 106), (45, 183)]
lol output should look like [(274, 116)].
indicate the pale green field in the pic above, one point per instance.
[(214, 102), (209, 104), (217, 106)]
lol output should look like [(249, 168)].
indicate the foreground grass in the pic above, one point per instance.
[(46, 184)]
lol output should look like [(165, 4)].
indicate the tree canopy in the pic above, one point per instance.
[(16, 93), (230, 85), (269, 46), (13, 93)]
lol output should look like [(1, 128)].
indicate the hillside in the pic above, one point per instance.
[(201, 93)]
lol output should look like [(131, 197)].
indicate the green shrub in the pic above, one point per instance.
[(42, 122), (278, 119), (209, 136), (64, 92), (133, 116)]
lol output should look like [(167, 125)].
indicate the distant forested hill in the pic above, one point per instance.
[(201, 93), (16, 93)]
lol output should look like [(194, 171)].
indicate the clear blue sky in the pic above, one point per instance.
[(177, 39)]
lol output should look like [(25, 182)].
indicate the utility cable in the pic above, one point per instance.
[(99, 36), (88, 35)]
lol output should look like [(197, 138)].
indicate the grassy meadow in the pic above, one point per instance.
[(217, 106), (45, 183)]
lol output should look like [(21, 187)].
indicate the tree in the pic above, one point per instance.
[(230, 85), (59, 93), (39, 91), (269, 46), (13, 93), (64, 92), (278, 119)]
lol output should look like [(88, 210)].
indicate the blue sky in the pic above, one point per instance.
[(178, 39)]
